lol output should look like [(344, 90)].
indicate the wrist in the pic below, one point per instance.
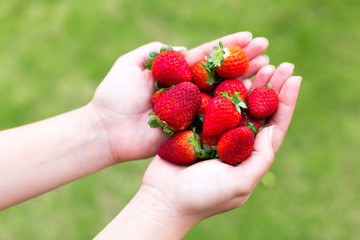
[(149, 216), (96, 139)]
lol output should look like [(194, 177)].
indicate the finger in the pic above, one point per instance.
[(282, 117), (239, 39), (181, 49), (283, 72), (254, 65), (164, 166), (254, 168), (256, 47), (247, 83), (263, 76), (138, 57)]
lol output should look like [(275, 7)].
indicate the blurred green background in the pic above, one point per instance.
[(53, 55)]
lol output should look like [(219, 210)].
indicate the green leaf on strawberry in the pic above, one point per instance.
[(235, 99)]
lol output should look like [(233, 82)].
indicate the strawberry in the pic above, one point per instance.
[(231, 86), (182, 148), (178, 150), (201, 77), (176, 109), (229, 62), (246, 118), (210, 141), (222, 114), (262, 102), (236, 145), (205, 99), (157, 94), (169, 67)]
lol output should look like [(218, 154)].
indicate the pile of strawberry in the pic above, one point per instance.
[(204, 109)]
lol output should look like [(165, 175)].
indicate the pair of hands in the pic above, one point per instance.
[(122, 103)]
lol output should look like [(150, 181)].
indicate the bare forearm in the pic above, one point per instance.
[(42, 156), (147, 216)]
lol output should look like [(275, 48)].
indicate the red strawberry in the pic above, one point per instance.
[(210, 141), (236, 145), (205, 99), (246, 118), (176, 109), (157, 95), (229, 62), (201, 77), (231, 86), (177, 149), (262, 102), (221, 115), (169, 67)]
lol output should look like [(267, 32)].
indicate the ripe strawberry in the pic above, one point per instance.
[(246, 118), (201, 77), (236, 145), (229, 62), (210, 141), (183, 148), (169, 67), (205, 99), (231, 86), (176, 109), (221, 115), (157, 95), (177, 149), (262, 102)]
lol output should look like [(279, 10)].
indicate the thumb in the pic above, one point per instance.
[(262, 156)]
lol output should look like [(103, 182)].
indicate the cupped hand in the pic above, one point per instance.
[(123, 100), (211, 187)]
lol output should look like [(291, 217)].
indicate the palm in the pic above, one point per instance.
[(212, 187), (123, 99)]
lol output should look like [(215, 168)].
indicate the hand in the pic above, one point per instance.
[(123, 100), (210, 187)]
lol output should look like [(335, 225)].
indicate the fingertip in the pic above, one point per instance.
[(181, 49), (297, 79), (264, 142), (287, 65), (249, 34)]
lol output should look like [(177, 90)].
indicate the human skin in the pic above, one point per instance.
[(41, 156), (172, 198)]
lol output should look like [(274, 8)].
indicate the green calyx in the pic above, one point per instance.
[(156, 122), (154, 54), (215, 60), (269, 85), (203, 152), (161, 89), (196, 143), (236, 100), (252, 127)]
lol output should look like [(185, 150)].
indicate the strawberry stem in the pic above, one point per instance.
[(196, 143), (154, 54), (156, 122), (215, 60), (252, 127), (236, 100)]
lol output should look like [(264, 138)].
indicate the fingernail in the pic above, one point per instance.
[(180, 49), (249, 33), (267, 57), (299, 78), (287, 63), (271, 132), (272, 67)]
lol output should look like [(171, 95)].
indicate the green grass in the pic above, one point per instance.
[(53, 54)]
